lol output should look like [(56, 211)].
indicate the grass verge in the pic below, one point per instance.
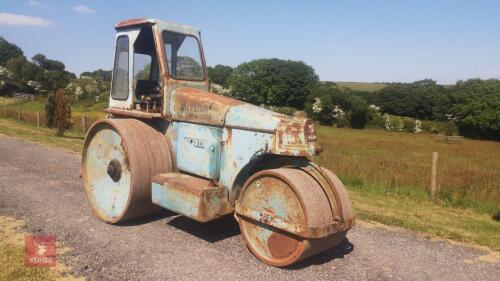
[(12, 257), (408, 208), (72, 140)]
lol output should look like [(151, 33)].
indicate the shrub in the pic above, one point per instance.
[(50, 110), (63, 112)]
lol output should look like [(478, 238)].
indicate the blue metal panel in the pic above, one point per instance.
[(253, 117), (175, 200), (198, 149), (191, 196), (238, 149)]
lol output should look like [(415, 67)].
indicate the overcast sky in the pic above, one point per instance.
[(343, 40)]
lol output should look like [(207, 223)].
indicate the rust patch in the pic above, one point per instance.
[(132, 113), (198, 106), (131, 22), (296, 137), (281, 246), (188, 184)]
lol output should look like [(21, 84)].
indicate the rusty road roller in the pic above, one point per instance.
[(167, 142)]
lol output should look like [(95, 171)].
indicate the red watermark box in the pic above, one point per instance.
[(40, 251)]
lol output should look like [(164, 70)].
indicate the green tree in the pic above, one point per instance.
[(359, 114), (8, 51), (476, 108), (337, 106), (23, 70), (220, 74), (54, 79), (103, 75), (48, 64), (273, 82), (416, 100)]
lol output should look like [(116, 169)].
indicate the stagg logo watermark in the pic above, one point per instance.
[(40, 251)]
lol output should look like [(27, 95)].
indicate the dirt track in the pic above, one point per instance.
[(41, 186)]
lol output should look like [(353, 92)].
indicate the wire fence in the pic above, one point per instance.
[(14, 110)]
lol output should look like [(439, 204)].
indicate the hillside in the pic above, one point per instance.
[(362, 86)]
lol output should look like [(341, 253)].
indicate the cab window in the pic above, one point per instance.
[(120, 71), (183, 56)]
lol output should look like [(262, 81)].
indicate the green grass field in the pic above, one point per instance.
[(400, 163), (386, 175), (361, 86)]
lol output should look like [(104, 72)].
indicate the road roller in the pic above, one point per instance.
[(168, 142)]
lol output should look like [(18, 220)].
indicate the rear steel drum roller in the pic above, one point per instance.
[(120, 157), (289, 194)]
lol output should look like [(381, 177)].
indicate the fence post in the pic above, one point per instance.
[(4, 108), (434, 173), (38, 118), (84, 124), (19, 111)]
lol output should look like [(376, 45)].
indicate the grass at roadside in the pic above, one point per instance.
[(429, 217), (409, 208), (12, 257), (72, 141)]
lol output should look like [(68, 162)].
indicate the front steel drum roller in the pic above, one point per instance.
[(292, 195), (120, 157)]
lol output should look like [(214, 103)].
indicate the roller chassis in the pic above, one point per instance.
[(202, 155)]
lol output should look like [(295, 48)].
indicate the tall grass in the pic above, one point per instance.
[(400, 163)]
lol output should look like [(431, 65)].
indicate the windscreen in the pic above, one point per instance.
[(183, 56)]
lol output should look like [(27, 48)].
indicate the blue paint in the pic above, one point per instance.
[(109, 197), (198, 149), (253, 117), (238, 149), (175, 201), (190, 196)]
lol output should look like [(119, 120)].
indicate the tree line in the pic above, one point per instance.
[(471, 106), (48, 78)]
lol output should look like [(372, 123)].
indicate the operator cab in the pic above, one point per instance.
[(153, 58)]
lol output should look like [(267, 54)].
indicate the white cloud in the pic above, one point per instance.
[(83, 9), (22, 20), (39, 5)]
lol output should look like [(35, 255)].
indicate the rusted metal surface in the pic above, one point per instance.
[(132, 22), (197, 106), (291, 196), (295, 136), (288, 225), (138, 152), (190, 196), (206, 155), (132, 113), (347, 217)]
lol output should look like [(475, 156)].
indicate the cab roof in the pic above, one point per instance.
[(162, 25)]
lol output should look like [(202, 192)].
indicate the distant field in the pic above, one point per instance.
[(361, 86), (400, 164)]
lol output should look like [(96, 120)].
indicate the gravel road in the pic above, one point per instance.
[(41, 185)]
